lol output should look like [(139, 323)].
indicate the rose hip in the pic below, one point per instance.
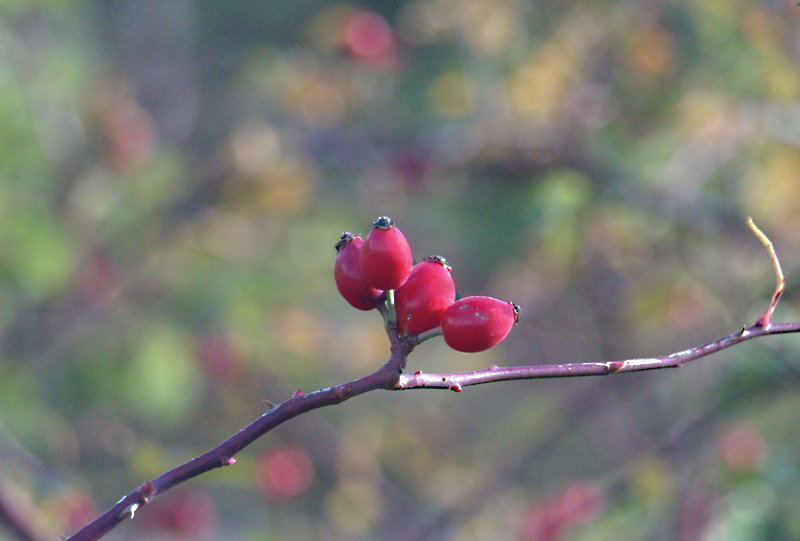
[(385, 258), (425, 295), (475, 324), (347, 274)]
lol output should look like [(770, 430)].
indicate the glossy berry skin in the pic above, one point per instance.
[(425, 295), (475, 324), (347, 274), (385, 258)]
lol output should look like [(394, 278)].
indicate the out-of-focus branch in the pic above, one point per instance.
[(16, 518)]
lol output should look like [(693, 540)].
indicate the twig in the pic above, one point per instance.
[(457, 381), (222, 455), (766, 317), (763, 326)]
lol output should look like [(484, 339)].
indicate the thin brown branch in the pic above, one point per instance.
[(222, 455), (458, 380), (390, 377), (763, 326)]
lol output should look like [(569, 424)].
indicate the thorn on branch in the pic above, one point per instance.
[(129, 511), (146, 491)]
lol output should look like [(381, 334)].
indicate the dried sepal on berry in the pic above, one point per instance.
[(385, 258), (347, 274)]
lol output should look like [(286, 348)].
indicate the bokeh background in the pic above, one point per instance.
[(174, 175)]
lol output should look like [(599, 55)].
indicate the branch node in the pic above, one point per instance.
[(342, 392), (456, 387), (615, 366)]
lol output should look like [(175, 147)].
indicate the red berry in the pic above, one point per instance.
[(385, 258), (347, 274), (424, 296), (475, 324)]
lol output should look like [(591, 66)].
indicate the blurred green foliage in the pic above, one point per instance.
[(174, 176)]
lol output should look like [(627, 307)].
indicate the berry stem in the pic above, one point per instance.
[(392, 313), (426, 335)]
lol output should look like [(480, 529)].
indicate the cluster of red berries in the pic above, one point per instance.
[(424, 295)]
